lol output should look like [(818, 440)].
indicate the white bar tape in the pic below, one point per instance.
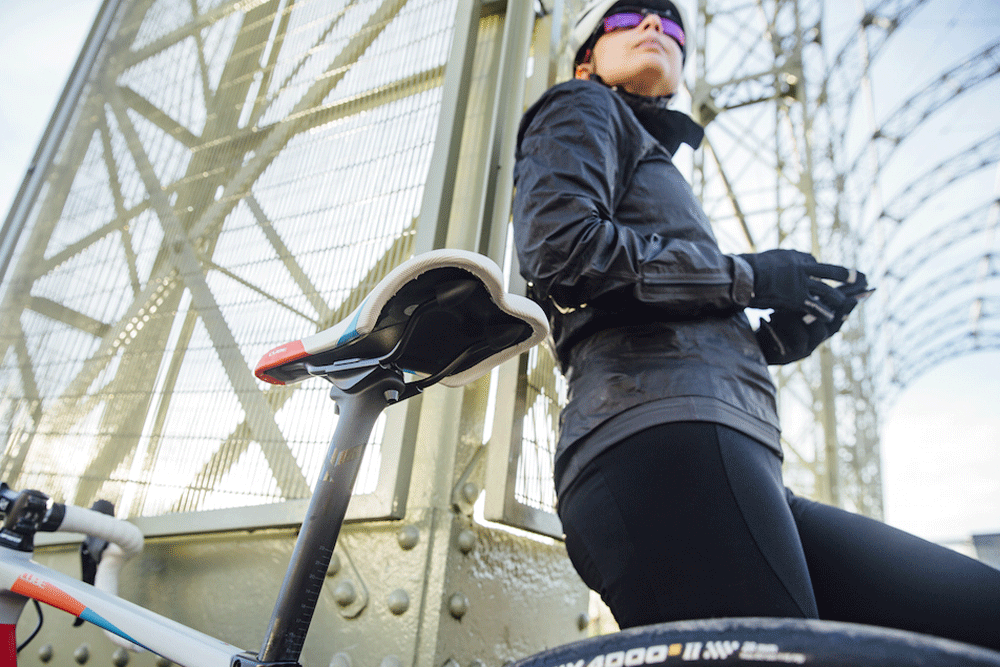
[(79, 520)]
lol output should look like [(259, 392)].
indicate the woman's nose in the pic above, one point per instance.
[(651, 21)]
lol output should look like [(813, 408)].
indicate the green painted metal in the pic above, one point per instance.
[(418, 577)]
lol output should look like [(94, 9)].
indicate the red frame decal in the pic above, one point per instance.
[(34, 587)]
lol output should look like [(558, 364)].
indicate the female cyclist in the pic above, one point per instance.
[(668, 466)]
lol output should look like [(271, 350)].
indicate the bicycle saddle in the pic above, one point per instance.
[(443, 315)]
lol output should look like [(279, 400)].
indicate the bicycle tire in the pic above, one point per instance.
[(771, 641)]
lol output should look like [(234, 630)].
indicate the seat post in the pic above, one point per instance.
[(360, 398)]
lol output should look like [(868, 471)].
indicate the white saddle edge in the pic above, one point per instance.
[(365, 317)]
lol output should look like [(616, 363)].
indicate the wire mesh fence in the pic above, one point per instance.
[(234, 176)]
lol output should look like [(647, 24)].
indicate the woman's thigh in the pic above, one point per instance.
[(864, 571), (664, 527)]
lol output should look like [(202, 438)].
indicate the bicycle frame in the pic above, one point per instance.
[(367, 376), (22, 578), (361, 394)]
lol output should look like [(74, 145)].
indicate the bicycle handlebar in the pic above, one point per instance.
[(126, 536), (29, 511), (125, 541)]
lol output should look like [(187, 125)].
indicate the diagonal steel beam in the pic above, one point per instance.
[(66, 315), (162, 408), (158, 117), (129, 58), (239, 440), (45, 265), (258, 413), (277, 136), (300, 277), (731, 196), (280, 30), (17, 449), (120, 213), (17, 285)]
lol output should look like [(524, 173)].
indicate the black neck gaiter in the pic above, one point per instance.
[(671, 128)]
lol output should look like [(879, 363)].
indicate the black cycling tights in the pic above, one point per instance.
[(692, 520)]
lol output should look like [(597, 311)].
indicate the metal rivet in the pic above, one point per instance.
[(340, 660), (345, 593), (458, 605), (399, 601), (119, 658), (82, 654), (391, 661), (582, 621), (471, 492), (45, 653), (334, 566), (466, 541), (408, 536)]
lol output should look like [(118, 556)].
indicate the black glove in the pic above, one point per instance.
[(790, 336), (792, 280), (787, 338)]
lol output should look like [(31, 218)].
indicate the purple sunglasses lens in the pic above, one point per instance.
[(671, 29), (622, 20), (632, 19)]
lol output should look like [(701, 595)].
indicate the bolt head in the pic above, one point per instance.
[(82, 654), (466, 541), (344, 593), (399, 601), (408, 537), (340, 660), (458, 605), (470, 492)]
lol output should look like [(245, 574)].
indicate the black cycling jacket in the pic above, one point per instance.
[(646, 312)]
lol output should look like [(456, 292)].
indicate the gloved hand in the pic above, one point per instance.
[(792, 280), (790, 336), (787, 338)]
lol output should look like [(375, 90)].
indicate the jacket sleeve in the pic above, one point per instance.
[(574, 153)]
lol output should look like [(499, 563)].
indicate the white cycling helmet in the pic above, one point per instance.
[(594, 11)]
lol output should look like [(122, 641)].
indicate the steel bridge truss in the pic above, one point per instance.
[(785, 98), (225, 173), (231, 173)]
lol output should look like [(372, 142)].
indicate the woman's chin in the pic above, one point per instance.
[(651, 79)]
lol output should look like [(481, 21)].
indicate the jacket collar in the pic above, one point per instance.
[(671, 128)]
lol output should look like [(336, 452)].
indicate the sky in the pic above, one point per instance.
[(940, 441)]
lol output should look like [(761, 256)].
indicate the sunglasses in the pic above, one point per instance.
[(628, 19)]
